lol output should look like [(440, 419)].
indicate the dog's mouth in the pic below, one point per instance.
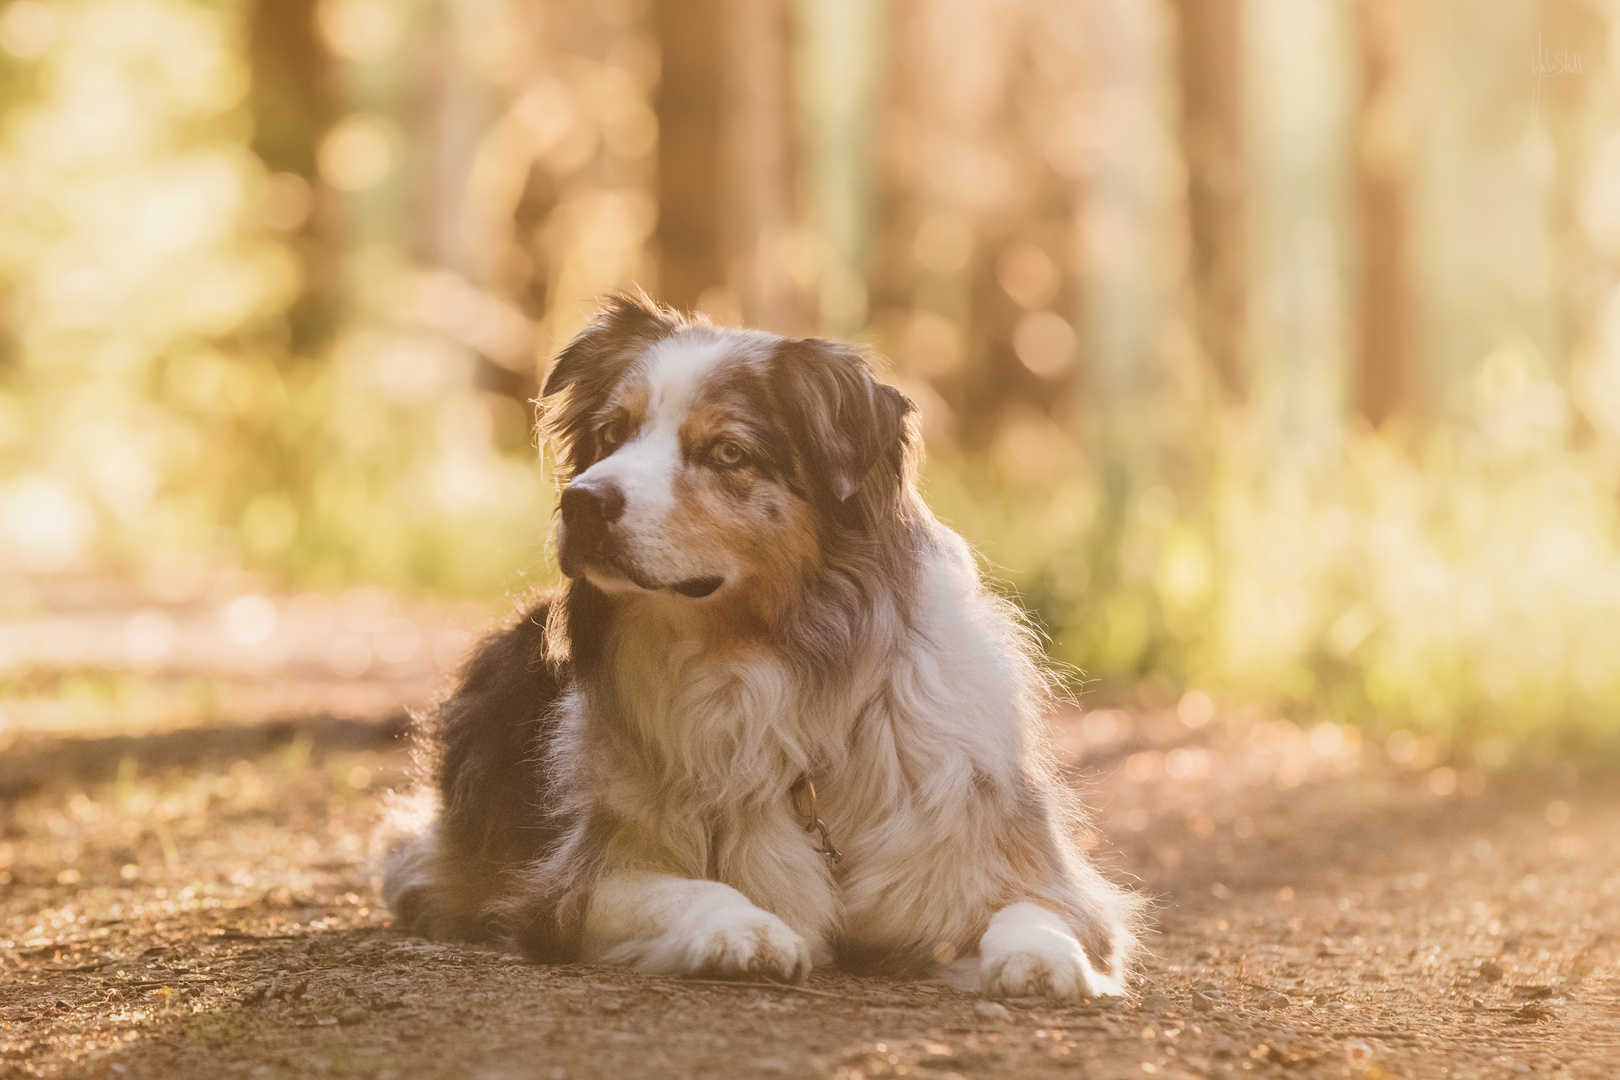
[(698, 587)]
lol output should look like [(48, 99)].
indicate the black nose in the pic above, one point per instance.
[(588, 508)]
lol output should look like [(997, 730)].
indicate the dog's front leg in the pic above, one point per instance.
[(669, 925), (1028, 951)]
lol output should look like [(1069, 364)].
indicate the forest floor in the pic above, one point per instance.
[(196, 900)]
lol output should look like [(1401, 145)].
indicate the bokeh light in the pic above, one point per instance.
[(1275, 374)]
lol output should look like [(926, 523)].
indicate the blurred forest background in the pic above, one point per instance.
[(1267, 348)]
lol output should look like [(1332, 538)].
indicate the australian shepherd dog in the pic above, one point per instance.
[(773, 718)]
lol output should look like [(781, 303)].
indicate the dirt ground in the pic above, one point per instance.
[(202, 905), (185, 901)]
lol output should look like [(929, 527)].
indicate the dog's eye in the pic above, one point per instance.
[(729, 453), (612, 433)]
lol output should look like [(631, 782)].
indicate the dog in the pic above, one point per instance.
[(772, 719)]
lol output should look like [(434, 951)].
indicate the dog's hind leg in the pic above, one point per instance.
[(484, 751)]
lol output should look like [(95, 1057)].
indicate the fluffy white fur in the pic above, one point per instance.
[(1028, 951), (668, 925)]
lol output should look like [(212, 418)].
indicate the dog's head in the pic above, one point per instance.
[(697, 459)]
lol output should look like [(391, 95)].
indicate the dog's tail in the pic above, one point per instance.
[(420, 884)]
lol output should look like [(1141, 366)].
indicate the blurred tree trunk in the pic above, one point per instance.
[(844, 62), (1385, 379), (985, 158), (1564, 106), (1211, 71), (1121, 232), (761, 209), (691, 112), (725, 163), (294, 102), (448, 109)]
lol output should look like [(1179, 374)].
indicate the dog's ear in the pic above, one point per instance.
[(844, 421), (591, 365)]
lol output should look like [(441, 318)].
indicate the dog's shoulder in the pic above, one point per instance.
[(517, 653)]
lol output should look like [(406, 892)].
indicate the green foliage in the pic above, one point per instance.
[(1466, 586), (148, 400)]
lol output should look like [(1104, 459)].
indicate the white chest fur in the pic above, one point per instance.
[(917, 749)]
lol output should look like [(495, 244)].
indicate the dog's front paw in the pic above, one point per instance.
[(1028, 952), (748, 943)]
